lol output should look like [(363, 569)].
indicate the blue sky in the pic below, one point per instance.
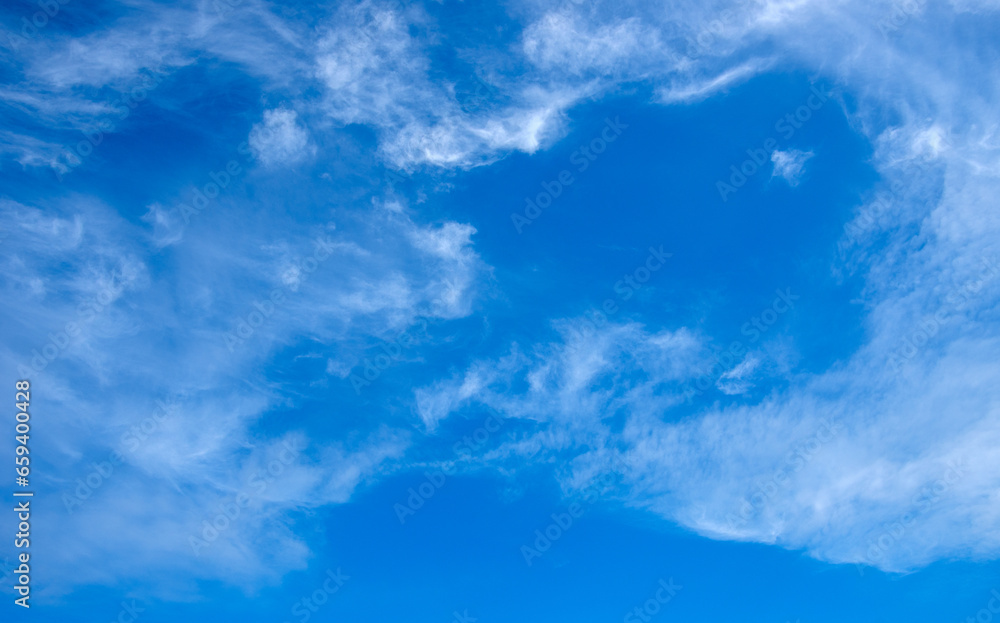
[(572, 311)]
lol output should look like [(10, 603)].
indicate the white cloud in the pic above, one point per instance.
[(167, 226), (380, 272), (902, 418), (737, 380), (567, 42), (691, 90), (375, 72), (561, 378), (279, 139), (790, 164), (870, 445)]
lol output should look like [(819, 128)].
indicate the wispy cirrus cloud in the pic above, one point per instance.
[(790, 165), (620, 390)]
